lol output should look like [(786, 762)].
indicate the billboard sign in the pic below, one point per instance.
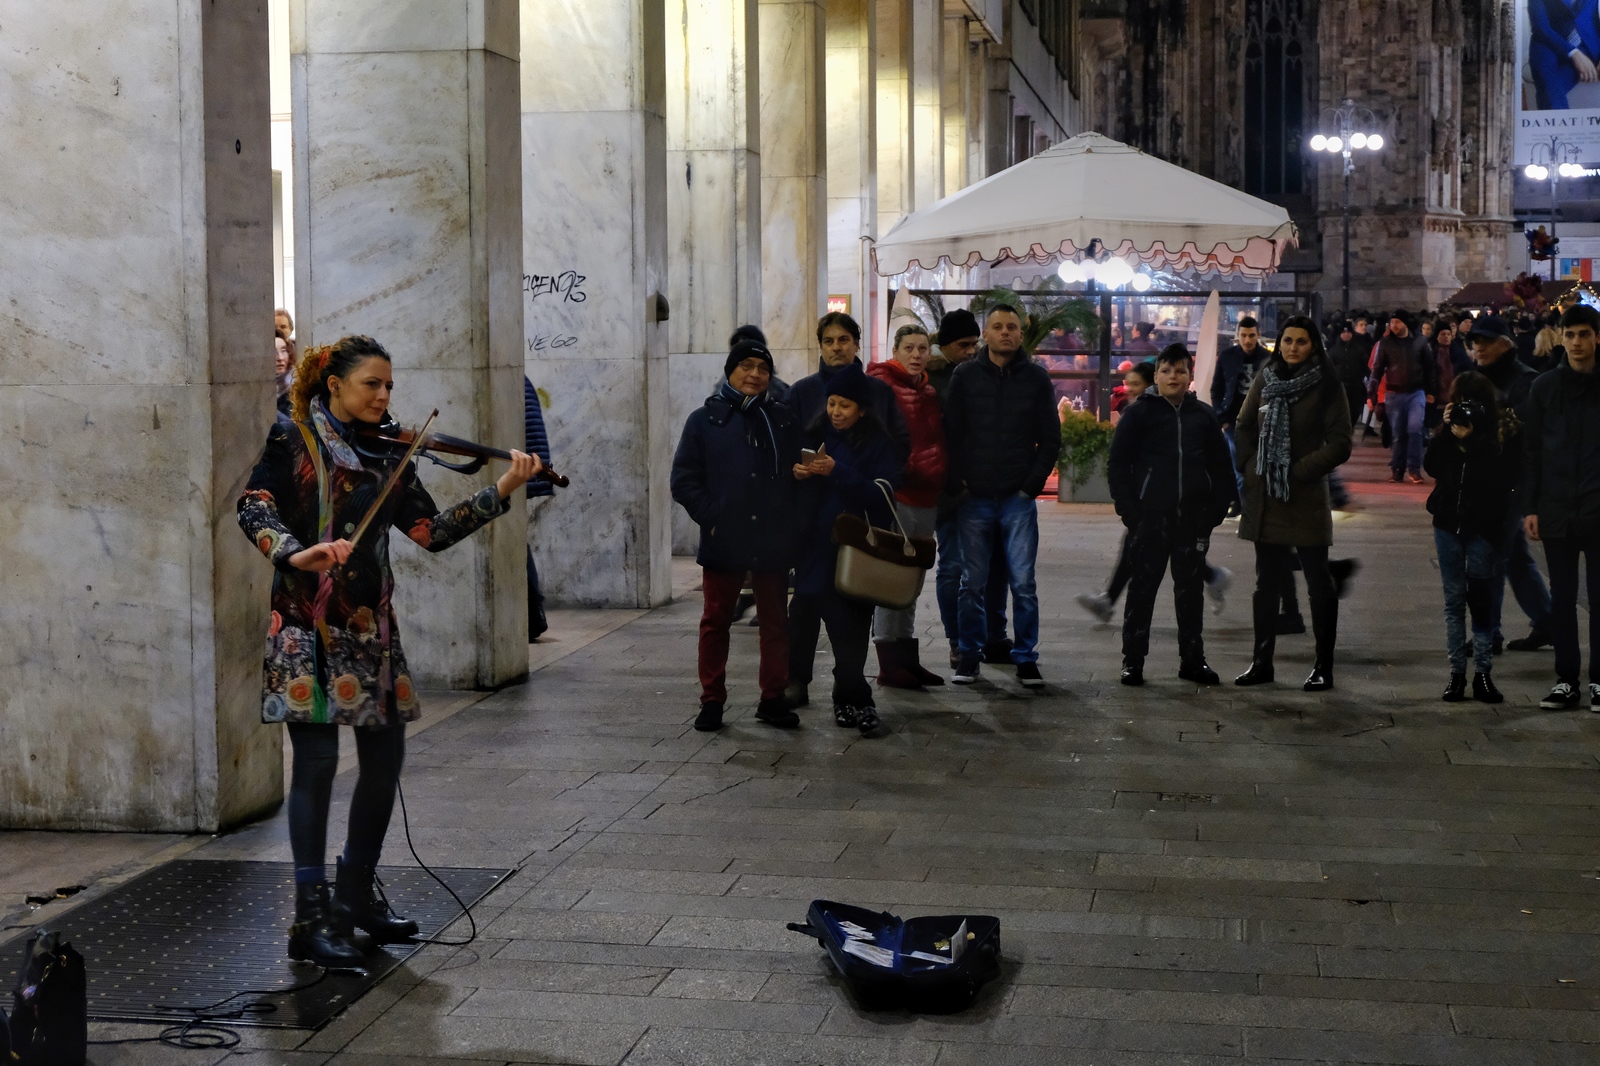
[(1558, 82)]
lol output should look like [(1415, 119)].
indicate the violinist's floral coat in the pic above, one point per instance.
[(333, 649)]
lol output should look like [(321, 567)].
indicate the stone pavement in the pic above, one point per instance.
[(1184, 876)]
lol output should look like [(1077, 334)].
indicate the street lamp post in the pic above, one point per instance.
[(1350, 120), (1554, 159)]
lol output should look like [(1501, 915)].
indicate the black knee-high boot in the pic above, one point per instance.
[(1265, 610), (1325, 624)]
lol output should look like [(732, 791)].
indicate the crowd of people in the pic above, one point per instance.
[(954, 436), (955, 447)]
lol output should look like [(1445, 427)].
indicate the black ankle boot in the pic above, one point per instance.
[(357, 895), (1456, 690), (1483, 689), (1265, 611), (1320, 679), (315, 936)]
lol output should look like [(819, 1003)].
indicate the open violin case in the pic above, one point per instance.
[(934, 964)]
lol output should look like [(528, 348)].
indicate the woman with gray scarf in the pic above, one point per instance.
[(1292, 432)]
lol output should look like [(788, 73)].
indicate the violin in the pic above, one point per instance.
[(389, 440)]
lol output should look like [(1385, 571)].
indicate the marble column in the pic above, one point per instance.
[(957, 81), (407, 215), (852, 153), (794, 192), (927, 102), (895, 136), (135, 394), (713, 200), (594, 131)]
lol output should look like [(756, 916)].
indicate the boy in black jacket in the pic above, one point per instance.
[(1172, 482)]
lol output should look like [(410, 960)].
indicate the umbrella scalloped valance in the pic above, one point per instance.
[(1055, 205)]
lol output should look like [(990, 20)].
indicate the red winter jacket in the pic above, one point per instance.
[(919, 402)]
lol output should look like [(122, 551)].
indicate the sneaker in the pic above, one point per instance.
[(1415, 479), (1532, 642), (1028, 674), (1594, 697), (997, 652), (1483, 689), (845, 716), (966, 670), (1099, 606), (777, 713), (709, 720), (1133, 674), (1396, 476), (868, 721), (1217, 588), (1564, 697)]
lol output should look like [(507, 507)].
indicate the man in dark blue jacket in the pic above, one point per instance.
[(1172, 481), (734, 474), (535, 443), (839, 337), (1004, 436)]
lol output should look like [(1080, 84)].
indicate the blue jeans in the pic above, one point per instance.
[(1467, 566), (947, 585), (1009, 527), (1233, 457), (1406, 411), (1515, 563)]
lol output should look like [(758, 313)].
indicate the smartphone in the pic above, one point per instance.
[(807, 455)]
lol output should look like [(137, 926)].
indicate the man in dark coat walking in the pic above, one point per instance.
[(1561, 492), (1004, 437), (1235, 370), (1409, 371)]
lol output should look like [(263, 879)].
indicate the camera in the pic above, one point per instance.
[(1467, 413)]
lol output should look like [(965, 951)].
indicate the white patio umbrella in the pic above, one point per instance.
[(1090, 188)]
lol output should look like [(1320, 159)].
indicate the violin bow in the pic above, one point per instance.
[(394, 478)]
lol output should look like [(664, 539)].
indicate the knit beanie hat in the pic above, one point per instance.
[(958, 325), (851, 383), (746, 349)]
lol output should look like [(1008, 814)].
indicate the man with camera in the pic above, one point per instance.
[(1561, 494), (1494, 355)]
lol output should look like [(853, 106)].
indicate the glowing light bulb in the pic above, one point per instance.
[(1375, 142), (1335, 144), (1358, 140), (1318, 142), (1536, 172), (1141, 283), (1115, 273), (1069, 272)]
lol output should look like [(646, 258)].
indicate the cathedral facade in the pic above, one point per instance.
[(1234, 89)]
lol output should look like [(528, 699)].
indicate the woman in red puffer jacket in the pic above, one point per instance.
[(917, 501)]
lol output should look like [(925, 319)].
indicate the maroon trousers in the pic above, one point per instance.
[(722, 598)]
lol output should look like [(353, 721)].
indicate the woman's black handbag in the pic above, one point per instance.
[(50, 1005), (934, 964)]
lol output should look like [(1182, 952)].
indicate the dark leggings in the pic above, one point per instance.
[(380, 751)]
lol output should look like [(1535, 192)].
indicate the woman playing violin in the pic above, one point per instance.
[(333, 649)]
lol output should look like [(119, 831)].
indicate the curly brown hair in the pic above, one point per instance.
[(322, 362)]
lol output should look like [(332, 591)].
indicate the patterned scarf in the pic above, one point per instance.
[(750, 407), (1272, 454)]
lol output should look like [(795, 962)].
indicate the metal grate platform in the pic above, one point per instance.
[(190, 932)]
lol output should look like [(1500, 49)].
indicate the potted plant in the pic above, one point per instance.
[(1085, 445)]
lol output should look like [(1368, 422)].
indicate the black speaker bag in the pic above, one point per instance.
[(934, 964), (50, 1005)]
